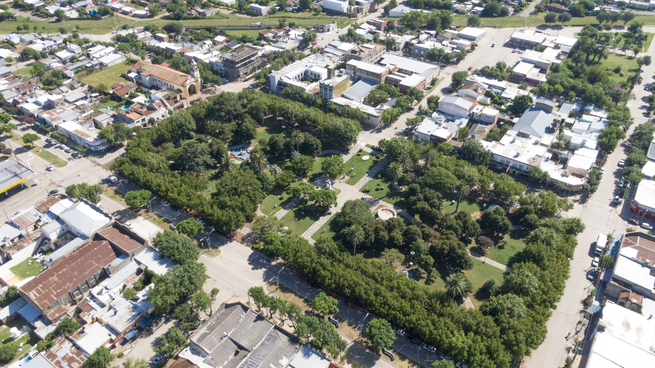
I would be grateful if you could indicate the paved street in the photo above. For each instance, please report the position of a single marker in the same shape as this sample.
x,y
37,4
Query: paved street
x,y
600,218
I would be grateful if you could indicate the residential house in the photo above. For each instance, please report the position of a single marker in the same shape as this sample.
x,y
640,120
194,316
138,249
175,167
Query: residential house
x,y
456,106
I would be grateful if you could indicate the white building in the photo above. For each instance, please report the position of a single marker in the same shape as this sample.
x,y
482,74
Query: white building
x,y
582,161
335,5
472,34
517,152
455,105
294,74
373,115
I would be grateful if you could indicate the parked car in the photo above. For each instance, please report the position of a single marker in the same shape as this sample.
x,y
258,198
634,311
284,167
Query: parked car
x,y
591,276
68,150
158,359
172,227
398,331
54,191
616,200
443,356
461,365
621,163
125,181
128,224
48,140
62,146
50,168
646,226
165,204
201,222
594,262
429,348
493,45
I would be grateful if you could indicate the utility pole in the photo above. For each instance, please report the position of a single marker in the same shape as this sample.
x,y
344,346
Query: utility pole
x,y
278,277
458,191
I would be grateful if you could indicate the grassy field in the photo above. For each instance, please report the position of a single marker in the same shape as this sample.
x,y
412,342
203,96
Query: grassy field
x,y
52,158
480,273
359,168
628,64
237,34
515,244
538,20
385,192
268,204
107,76
22,71
28,340
299,219
326,231
469,206
24,269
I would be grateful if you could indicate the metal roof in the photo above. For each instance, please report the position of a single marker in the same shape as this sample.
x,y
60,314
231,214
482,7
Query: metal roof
x,y
537,122
13,173
359,90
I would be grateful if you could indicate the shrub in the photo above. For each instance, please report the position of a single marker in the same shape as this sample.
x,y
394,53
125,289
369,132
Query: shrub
x,y
485,242
120,355
7,352
256,246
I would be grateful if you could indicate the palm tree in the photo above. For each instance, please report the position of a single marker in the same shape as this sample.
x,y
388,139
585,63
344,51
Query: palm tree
x,y
354,234
275,170
430,154
257,160
635,79
458,285
396,171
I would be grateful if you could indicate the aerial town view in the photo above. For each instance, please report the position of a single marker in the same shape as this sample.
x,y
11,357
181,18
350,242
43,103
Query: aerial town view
x,y
327,184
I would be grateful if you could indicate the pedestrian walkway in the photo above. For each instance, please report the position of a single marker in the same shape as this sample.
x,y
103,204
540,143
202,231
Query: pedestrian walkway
x,y
488,261
371,174
287,207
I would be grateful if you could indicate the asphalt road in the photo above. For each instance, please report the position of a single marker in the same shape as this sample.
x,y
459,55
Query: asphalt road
x,y
599,217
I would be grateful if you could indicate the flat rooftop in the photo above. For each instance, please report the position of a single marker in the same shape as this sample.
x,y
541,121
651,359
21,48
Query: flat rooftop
x,y
13,173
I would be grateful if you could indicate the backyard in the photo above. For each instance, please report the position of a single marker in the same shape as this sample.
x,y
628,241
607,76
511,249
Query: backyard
x,y
107,76
28,340
28,268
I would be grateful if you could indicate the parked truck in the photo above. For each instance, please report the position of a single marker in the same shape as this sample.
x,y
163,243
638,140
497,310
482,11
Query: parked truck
x,y
601,242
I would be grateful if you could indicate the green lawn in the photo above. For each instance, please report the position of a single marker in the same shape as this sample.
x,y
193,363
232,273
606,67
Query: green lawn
x,y
480,273
268,204
326,231
107,76
110,104
628,64
23,71
238,34
439,281
538,20
52,158
356,168
28,340
646,44
385,191
469,206
515,244
24,270
298,222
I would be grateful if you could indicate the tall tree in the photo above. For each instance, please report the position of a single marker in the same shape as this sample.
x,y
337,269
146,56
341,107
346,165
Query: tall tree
x,y
324,304
380,334
458,285
101,358
354,235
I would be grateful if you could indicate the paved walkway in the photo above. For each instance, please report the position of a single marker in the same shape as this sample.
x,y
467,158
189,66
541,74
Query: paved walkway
x,y
287,207
371,174
488,261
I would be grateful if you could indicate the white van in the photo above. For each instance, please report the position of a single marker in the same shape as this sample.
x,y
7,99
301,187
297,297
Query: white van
x,y
601,242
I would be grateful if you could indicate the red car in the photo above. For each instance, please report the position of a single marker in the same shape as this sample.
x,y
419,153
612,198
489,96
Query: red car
x,y
470,68
633,221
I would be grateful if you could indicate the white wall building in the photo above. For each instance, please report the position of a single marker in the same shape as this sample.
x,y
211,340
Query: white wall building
x,y
335,5
455,105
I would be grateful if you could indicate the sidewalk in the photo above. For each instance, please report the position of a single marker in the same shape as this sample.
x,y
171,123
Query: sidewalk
x,y
487,260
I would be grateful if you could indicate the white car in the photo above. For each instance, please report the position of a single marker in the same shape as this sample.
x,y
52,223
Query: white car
x,y
646,226
50,168
128,224
429,348
594,262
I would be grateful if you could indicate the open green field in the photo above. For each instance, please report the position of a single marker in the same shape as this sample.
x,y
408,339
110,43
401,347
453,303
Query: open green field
x,y
356,168
480,273
277,197
24,269
469,206
628,66
515,244
22,71
299,219
52,158
107,76
252,33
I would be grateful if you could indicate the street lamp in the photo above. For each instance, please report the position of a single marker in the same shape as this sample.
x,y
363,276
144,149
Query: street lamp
x,y
278,277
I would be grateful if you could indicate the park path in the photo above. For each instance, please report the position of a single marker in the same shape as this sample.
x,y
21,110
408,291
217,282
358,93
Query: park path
x,y
287,207
488,261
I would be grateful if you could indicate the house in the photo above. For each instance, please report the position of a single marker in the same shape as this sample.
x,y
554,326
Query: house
x,y
526,72
163,77
84,219
358,91
28,219
337,7
455,105
538,123
557,8
633,268
409,66
475,91
399,11
238,336
139,114
485,114
582,161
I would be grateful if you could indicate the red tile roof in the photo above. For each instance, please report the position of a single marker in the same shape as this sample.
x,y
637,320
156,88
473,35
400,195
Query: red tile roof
x,y
64,354
53,283
44,206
